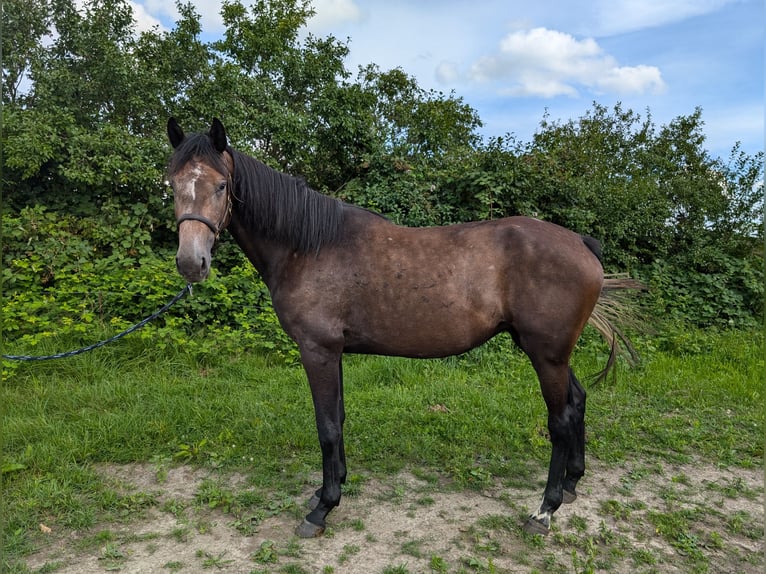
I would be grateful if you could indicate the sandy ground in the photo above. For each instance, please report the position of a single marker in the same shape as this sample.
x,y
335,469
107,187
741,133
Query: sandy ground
x,y
403,525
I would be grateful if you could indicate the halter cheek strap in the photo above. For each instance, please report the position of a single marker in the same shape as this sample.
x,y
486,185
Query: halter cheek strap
x,y
216,228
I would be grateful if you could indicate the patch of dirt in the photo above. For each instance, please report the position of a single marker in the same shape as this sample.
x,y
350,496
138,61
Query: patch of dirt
x,y
636,517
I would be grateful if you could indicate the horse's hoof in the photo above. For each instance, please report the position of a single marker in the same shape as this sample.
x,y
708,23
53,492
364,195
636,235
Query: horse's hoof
x,y
313,502
569,497
308,529
535,526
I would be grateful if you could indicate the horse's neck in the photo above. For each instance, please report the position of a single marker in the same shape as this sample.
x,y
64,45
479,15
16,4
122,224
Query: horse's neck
x,y
266,256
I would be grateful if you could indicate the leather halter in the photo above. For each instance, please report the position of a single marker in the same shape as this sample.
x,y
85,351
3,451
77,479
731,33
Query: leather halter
x,y
216,228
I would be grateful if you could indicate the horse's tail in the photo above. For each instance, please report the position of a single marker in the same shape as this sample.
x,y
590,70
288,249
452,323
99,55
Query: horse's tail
x,y
613,309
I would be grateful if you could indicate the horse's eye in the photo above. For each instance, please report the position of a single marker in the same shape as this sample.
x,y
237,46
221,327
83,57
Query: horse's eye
x,y
221,187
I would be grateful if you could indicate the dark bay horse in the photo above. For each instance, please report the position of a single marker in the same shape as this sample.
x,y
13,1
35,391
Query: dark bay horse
x,y
345,280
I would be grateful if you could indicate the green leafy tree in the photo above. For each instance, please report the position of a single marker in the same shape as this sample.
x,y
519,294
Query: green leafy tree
x,y
88,219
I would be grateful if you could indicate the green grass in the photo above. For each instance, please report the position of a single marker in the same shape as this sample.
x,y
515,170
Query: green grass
x,y
478,416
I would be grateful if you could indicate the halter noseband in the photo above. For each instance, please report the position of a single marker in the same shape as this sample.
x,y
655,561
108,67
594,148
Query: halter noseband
x,y
216,228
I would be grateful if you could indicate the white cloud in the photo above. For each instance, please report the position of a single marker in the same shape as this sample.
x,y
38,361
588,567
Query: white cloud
x,y
332,13
632,80
209,11
447,72
618,16
548,63
329,13
144,20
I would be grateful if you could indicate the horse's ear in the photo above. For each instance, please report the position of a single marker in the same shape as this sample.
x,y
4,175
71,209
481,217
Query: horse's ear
x,y
218,135
175,133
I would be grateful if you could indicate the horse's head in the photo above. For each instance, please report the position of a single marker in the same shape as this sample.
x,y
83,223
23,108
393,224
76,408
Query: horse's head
x,y
200,172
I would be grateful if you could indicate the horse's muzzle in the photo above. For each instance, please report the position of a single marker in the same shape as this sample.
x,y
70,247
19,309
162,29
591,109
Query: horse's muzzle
x,y
193,259
193,269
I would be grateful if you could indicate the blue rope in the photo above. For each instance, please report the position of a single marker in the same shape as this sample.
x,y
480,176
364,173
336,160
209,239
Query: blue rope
x,y
136,327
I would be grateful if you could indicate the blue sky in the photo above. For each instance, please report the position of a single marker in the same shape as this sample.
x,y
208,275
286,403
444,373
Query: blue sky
x,y
512,61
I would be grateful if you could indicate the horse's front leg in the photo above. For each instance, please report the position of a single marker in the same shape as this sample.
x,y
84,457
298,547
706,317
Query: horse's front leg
x,y
316,497
324,375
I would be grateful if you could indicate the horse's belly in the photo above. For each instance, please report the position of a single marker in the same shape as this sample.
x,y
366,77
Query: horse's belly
x,y
426,332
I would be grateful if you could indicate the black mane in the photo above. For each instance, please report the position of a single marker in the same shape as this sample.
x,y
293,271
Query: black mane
x,y
274,205
283,208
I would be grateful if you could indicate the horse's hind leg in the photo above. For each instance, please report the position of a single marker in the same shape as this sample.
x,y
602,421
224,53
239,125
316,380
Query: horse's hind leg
x,y
563,426
576,460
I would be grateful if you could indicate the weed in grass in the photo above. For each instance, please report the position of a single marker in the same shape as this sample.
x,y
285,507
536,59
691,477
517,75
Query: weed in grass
x,y
587,562
536,541
181,534
674,527
328,570
552,564
688,544
478,565
474,477
211,561
681,479
161,464
293,569
349,550
213,495
355,524
488,546
605,534
145,537
715,541
112,556
616,509
266,553
425,501
292,549
643,557
413,548
175,507
432,478
249,498
97,540
353,485
398,569
133,505
438,564
203,526
247,524
741,522
733,488
578,523
152,548
174,566
498,522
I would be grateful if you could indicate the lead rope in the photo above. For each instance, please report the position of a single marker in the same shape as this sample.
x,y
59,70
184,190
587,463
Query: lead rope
x,y
128,331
